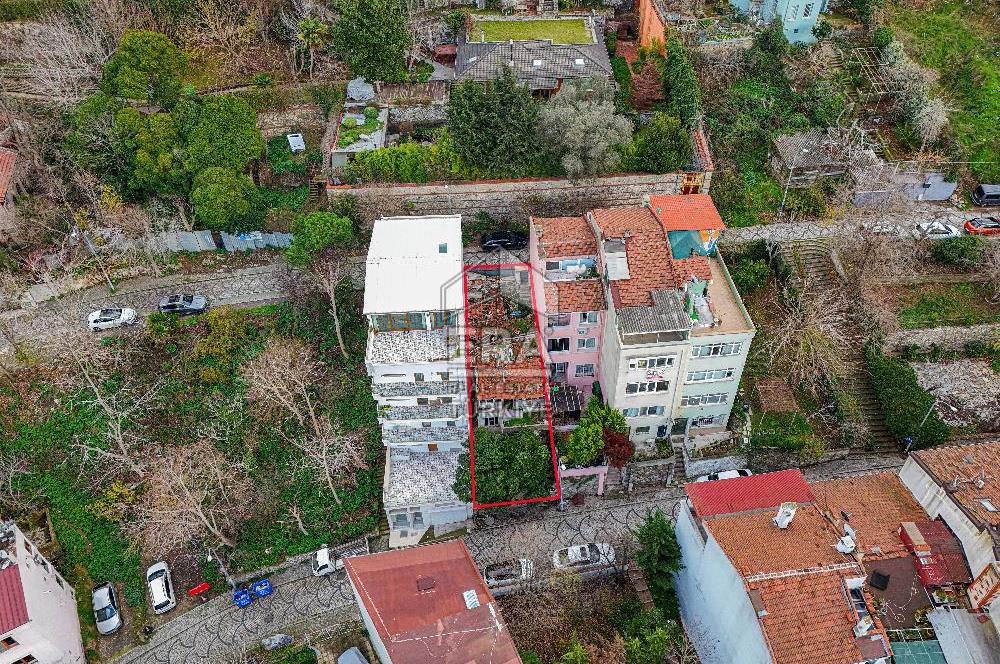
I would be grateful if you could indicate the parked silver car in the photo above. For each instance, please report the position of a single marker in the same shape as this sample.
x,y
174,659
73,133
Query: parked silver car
x,y
107,611
584,556
509,573
105,319
161,588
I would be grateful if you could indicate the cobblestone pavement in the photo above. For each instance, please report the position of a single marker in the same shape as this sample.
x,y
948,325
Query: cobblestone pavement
x,y
303,603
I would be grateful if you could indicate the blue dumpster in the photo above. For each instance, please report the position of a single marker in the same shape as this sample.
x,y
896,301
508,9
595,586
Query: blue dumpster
x,y
243,598
262,588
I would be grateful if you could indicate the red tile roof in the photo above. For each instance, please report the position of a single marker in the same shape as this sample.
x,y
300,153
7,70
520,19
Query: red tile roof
x,y
434,625
13,610
746,494
877,504
574,296
560,237
650,265
944,563
965,463
687,212
810,619
7,159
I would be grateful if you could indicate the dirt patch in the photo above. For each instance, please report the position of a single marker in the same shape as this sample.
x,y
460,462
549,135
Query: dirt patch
x,y
967,391
775,395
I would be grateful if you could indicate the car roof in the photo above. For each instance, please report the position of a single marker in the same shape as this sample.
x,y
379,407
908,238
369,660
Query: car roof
x,y
102,593
158,589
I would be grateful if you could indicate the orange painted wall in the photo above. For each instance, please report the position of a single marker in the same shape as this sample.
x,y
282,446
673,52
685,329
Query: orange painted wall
x,y
651,28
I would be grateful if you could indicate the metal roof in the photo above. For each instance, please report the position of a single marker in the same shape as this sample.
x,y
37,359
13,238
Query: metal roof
x,y
667,314
747,494
539,64
13,609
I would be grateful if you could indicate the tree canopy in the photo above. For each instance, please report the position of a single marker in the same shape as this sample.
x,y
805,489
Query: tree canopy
x,y
153,144
147,66
681,84
493,126
659,556
225,199
662,146
224,135
510,465
373,38
315,231
588,440
580,128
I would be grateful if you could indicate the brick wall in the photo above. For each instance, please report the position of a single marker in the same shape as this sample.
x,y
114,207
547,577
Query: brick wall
x,y
513,199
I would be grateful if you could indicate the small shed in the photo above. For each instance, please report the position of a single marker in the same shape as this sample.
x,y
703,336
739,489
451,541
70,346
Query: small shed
x,y
802,158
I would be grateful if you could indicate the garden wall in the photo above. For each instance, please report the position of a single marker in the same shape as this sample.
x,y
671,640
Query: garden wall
x,y
946,338
514,199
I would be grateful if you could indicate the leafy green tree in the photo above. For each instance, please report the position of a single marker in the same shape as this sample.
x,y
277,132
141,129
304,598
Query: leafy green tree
x,y
662,146
588,439
962,251
576,654
580,128
373,38
314,35
659,556
93,141
509,465
314,232
494,125
225,199
185,113
154,153
681,84
147,66
224,135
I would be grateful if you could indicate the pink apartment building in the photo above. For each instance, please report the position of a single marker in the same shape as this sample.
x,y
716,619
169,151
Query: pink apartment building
x,y
569,299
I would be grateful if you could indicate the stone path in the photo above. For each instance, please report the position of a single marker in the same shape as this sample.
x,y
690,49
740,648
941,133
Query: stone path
x,y
302,603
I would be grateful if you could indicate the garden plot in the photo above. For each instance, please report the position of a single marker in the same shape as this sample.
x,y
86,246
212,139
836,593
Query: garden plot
x,y
967,391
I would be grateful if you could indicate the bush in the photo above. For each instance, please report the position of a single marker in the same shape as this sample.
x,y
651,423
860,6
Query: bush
x,y
509,466
662,146
226,200
904,402
963,251
883,36
750,276
281,159
659,556
587,441
784,431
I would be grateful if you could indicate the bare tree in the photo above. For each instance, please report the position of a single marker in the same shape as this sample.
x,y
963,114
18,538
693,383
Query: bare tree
x,y
192,493
989,267
332,455
282,376
328,274
11,467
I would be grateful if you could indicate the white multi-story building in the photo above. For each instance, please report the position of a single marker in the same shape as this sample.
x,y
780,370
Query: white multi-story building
x,y
38,617
414,303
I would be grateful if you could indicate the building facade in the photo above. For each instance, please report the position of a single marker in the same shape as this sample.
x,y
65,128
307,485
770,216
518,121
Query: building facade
x,y
797,17
38,617
415,358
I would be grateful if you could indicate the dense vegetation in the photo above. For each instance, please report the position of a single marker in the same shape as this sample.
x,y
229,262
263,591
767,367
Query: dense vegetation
x,y
908,408
510,465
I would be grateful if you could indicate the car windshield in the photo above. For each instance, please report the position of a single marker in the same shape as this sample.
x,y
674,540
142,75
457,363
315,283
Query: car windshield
x,y
188,299
502,572
155,575
110,313
593,553
162,605
105,613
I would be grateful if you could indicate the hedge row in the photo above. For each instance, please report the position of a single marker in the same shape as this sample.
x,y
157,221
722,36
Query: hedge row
x,y
904,402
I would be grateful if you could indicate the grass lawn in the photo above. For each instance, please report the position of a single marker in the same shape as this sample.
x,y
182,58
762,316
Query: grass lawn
x,y
958,40
560,31
940,305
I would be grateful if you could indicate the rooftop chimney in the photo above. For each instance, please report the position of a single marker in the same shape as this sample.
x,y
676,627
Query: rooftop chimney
x,y
785,515
425,583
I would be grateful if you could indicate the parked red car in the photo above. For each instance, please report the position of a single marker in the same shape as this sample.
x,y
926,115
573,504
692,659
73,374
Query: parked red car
x,y
983,226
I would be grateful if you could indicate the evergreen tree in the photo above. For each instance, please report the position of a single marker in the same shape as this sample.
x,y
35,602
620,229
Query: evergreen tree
x,y
147,66
225,135
373,38
681,84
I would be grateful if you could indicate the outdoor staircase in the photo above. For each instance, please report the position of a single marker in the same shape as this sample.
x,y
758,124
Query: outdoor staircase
x,y
613,482
811,259
317,187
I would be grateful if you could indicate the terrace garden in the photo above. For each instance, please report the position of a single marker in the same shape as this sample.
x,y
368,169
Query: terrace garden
x,y
559,31
940,305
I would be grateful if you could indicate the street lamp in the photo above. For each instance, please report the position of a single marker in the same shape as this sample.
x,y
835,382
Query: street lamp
x,y
788,182
931,391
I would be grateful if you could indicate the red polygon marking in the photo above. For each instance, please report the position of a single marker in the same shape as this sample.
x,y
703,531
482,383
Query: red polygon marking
x,y
545,390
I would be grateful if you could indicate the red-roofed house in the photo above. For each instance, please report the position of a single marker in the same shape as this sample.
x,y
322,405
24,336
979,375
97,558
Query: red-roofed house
x,y
670,340
429,605
38,617
749,494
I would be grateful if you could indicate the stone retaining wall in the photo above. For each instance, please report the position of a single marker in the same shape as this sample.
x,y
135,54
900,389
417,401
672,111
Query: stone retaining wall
x,y
513,199
946,338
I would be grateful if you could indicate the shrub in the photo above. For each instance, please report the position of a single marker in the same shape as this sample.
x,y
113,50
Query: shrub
x,y
662,146
314,232
587,441
263,80
226,200
883,36
963,251
509,466
147,66
822,29
281,159
659,556
750,276
904,403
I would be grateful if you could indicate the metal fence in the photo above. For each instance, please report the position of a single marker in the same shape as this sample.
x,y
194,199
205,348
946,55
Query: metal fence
x,y
197,241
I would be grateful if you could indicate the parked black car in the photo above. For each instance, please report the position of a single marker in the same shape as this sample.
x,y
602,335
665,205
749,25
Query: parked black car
x,y
986,195
183,304
504,240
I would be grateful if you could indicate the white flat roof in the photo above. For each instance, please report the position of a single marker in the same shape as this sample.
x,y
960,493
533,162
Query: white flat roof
x,y
414,264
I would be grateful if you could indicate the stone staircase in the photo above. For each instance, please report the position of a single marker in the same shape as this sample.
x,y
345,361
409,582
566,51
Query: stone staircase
x,y
613,482
811,259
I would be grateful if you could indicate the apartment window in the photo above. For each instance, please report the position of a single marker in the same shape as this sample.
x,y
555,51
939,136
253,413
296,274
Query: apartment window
x,y
858,601
432,447
444,375
451,423
641,430
422,401
558,320
492,421
703,421
586,343
27,659
807,12
644,411
584,370
717,350
650,362
560,344
441,319
551,265
713,374
443,248
588,318
7,643
418,377
648,386
704,399
794,12
426,425
559,369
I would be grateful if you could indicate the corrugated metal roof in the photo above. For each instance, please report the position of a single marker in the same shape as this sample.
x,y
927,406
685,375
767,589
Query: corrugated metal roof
x,y
666,315
745,494
13,610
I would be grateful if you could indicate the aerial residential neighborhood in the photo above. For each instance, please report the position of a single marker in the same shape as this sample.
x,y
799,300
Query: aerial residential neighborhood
x,y
499,332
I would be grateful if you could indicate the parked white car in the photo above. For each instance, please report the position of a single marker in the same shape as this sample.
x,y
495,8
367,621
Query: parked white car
x,y
584,555
161,588
725,475
509,573
936,230
107,611
105,319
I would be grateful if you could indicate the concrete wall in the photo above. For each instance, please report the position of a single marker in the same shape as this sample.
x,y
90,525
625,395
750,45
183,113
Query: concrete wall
x,y
511,199
651,26
714,602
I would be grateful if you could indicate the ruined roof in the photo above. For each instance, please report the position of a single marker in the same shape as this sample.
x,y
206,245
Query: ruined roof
x,y
429,604
876,504
560,237
573,296
967,463
808,149
747,494
539,64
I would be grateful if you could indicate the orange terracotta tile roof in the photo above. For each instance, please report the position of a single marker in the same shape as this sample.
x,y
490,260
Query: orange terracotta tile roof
x,y
7,159
756,546
810,619
564,236
965,463
877,505
574,296
686,212
650,265
685,268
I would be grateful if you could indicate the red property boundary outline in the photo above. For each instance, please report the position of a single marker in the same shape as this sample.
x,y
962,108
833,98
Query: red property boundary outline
x,y
545,388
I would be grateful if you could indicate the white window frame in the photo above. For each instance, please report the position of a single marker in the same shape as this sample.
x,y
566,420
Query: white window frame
x,y
717,350
560,368
646,387
655,362
585,371
549,344
558,320
588,318
644,411
714,399
586,343
710,375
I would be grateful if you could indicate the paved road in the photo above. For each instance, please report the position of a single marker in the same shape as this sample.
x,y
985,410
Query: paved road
x,y
302,603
